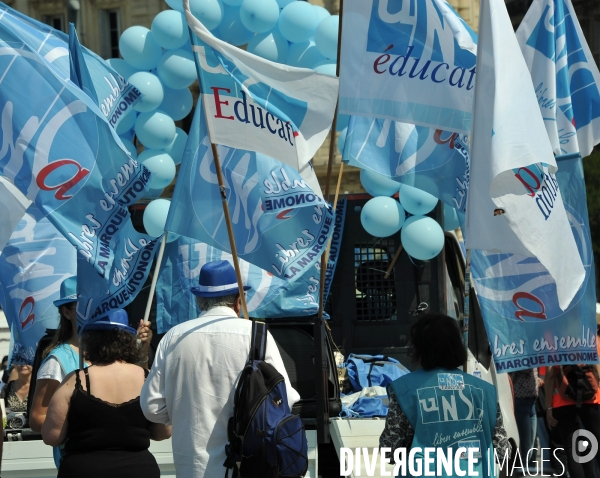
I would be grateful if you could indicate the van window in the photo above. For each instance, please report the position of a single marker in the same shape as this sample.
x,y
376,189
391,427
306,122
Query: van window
x,y
375,294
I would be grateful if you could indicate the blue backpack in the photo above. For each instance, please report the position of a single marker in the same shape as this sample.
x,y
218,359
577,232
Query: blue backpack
x,y
265,439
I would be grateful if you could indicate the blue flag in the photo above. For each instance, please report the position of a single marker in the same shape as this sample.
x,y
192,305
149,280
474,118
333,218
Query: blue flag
x,y
410,61
565,76
115,96
60,151
33,264
269,297
279,223
518,298
432,160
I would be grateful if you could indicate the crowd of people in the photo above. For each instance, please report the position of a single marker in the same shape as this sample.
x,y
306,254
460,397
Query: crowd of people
x,y
97,404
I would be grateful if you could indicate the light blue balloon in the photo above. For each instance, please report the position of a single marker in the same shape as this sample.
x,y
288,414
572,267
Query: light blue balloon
x,y
342,122
321,12
170,29
177,103
176,69
326,36
139,49
284,3
304,55
156,130
259,16
127,122
177,146
130,147
121,67
155,216
298,21
233,3
161,165
416,201
175,5
327,68
209,12
377,184
232,30
271,46
341,142
382,216
422,237
451,221
151,89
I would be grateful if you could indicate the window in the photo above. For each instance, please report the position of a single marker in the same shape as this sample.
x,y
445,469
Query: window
x,y
55,21
375,294
109,31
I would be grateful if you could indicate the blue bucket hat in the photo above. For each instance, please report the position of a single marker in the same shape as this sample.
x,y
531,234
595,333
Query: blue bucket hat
x,y
217,279
68,291
114,320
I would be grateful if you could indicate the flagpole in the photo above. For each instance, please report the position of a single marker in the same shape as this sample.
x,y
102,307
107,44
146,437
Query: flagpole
x,y
217,161
467,307
161,251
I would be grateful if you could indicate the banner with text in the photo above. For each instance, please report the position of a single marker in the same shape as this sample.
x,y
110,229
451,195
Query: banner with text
x,y
408,61
279,223
524,322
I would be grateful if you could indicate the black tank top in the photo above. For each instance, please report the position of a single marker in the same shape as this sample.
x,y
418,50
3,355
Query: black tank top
x,y
105,439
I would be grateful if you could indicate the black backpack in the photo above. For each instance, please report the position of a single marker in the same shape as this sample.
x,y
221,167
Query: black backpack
x,y
579,382
265,439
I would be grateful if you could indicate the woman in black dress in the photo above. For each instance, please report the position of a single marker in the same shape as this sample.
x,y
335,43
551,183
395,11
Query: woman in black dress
x,y
96,412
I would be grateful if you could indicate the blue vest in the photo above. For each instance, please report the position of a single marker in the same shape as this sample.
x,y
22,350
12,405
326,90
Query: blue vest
x,y
449,409
69,361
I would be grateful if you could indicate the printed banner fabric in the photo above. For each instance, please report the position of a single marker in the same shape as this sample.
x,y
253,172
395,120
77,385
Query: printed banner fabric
x,y
412,62
565,75
518,297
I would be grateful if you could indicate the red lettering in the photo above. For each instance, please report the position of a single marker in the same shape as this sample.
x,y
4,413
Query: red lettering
x,y
526,184
379,62
437,137
524,312
30,317
218,102
61,188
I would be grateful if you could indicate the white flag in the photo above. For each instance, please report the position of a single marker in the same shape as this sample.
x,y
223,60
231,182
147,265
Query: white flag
x,y
565,76
258,105
514,202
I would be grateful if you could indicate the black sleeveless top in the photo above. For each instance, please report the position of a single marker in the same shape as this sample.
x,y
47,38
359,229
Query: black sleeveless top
x,y
106,439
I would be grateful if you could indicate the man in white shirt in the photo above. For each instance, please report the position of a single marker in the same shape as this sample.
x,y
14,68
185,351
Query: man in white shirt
x,y
196,369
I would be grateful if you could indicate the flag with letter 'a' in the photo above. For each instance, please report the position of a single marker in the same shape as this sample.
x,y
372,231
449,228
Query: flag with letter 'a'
x,y
514,203
408,61
33,264
258,105
59,150
565,76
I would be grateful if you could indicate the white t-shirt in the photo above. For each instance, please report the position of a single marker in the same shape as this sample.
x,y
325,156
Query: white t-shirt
x,y
192,384
51,370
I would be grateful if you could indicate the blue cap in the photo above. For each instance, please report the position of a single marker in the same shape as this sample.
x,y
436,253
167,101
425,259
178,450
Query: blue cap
x,y
68,291
217,279
115,319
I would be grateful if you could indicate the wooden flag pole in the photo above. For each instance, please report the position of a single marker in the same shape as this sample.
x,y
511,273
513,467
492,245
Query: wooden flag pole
x,y
234,255
161,251
393,263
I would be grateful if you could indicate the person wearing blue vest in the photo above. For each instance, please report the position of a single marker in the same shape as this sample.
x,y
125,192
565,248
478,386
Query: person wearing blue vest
x,y
443,408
